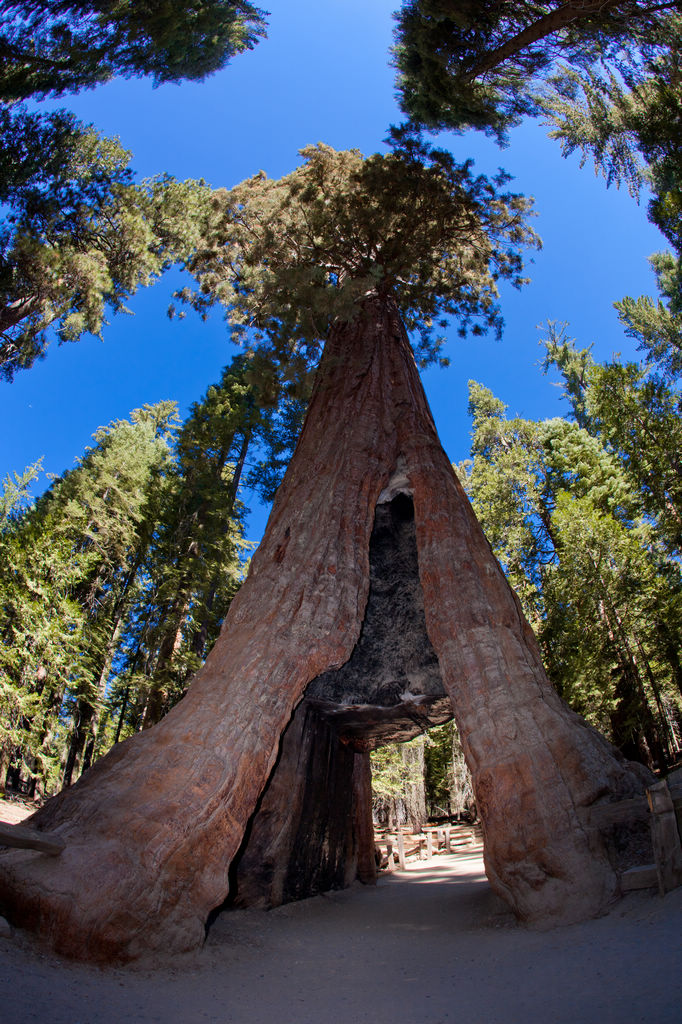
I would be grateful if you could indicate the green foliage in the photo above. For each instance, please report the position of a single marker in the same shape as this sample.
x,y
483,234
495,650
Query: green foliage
x,y
49,48
391,772
195,563
584,517
289,257
605,76
80,236
467,63
67,565
634,409
449,788
631,131
15,493
114,583
432,765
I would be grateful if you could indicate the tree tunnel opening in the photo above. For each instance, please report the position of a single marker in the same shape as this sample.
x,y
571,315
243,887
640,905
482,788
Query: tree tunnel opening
x,y
425,780
312,829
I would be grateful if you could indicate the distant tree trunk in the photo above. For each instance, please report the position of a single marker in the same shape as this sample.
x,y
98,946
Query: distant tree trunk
x,y
188,588
634,728
171,643
201,634
461,791
155,824
414,797
89,709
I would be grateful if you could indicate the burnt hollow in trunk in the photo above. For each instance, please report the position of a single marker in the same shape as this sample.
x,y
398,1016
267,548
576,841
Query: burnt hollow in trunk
x,y
312,828
391,688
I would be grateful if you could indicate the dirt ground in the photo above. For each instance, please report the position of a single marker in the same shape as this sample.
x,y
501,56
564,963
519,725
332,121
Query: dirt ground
x,y
430,944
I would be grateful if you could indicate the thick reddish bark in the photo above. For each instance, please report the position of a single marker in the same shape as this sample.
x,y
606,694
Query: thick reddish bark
x,y
152,828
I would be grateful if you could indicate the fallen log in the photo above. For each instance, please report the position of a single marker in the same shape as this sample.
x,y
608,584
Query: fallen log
x,y
29,839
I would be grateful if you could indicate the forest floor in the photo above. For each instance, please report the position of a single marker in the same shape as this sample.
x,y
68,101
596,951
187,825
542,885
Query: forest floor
x,y
428,944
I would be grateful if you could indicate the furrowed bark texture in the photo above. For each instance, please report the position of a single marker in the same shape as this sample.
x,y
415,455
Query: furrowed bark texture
x,y
151,829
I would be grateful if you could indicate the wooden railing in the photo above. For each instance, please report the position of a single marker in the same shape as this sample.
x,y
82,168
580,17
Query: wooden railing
x,y
661,807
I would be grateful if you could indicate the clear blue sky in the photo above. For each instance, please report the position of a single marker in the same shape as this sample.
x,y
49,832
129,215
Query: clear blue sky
x,y
323,74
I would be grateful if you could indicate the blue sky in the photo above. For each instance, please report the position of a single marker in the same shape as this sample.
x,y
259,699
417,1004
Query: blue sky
x,y
323,74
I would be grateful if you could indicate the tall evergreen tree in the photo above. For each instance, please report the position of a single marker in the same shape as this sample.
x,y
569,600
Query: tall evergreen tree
x,y
605,76
79,236
68,572
631,131
48,48
447,778
463,63
194,567
635,411
565,519
241,432
398,791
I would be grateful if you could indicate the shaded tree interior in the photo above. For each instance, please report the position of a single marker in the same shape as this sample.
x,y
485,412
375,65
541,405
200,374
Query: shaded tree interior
x,y
312,828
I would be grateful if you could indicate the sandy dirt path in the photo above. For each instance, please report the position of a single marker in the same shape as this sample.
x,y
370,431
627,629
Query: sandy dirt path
x,y
431,944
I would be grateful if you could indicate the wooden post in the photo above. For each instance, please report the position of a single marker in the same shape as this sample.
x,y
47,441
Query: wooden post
x,y
401,849
665,837
446,839
389,854
429,845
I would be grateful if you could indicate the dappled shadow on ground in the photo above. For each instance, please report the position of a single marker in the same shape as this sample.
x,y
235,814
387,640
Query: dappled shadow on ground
x,y
450,869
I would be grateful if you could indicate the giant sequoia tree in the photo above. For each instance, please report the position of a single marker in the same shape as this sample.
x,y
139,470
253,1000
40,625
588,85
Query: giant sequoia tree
x,y
346,252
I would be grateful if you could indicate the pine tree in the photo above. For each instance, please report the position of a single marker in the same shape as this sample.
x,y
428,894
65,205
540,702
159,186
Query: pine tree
x,y
630,130
449,790
68,577
463,63
604,76
398,793
195,565
565,519
243,429
49,48
79,236
635,411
